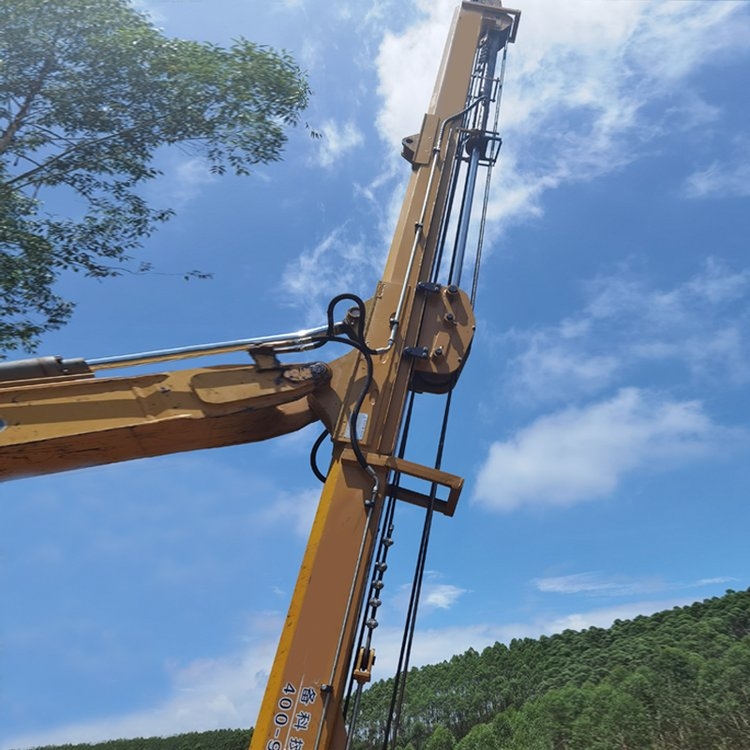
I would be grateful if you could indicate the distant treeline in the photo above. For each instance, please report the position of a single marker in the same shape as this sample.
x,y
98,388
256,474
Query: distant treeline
x,y
677,680
219,739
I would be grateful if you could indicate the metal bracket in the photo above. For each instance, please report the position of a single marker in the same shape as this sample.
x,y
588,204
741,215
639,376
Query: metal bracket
x,y
418,352
428,286
363,667
264,357
453,483
417,148
444,341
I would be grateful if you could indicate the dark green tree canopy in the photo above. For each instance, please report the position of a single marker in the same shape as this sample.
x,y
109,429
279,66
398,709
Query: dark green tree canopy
x,y
678,679
89,92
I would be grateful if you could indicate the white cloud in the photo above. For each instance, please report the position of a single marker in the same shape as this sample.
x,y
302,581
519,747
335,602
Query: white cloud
x,y
336,142
442,595
719,179
580,85
578,103
581,454
294,510
548,367
338,263
717,284
433,645
596,584
154,15
417,50
183,181
701,324
310,54
435,595
605,617
713,581
209,693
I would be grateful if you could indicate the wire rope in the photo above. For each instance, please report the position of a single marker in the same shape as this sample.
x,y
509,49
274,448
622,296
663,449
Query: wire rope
x,y
473,137
478,123
399,686
487,184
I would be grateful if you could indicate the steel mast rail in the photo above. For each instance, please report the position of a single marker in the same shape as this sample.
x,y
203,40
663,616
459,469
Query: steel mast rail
x,y
303,702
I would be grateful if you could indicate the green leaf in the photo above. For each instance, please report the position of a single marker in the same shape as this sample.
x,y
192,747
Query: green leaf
x,y
91,91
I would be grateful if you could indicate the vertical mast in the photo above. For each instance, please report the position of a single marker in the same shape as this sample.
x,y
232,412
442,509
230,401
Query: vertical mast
x,y
407,315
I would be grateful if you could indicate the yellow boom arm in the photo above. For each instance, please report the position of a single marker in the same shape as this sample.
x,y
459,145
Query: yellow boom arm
x,y
87,421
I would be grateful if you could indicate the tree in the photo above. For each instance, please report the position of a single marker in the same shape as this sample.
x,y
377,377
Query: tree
x,y
481,737
441,739
89,93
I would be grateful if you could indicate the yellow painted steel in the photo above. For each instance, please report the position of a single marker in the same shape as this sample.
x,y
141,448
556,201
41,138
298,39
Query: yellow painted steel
x,y
317,641
303,698
56,426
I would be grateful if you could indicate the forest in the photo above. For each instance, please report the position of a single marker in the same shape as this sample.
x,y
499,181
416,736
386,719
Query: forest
x,y
675,680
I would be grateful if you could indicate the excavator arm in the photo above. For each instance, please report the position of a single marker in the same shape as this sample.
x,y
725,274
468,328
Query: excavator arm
x,y
80,421
413,336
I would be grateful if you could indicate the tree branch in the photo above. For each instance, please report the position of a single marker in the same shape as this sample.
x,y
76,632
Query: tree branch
x,y
7,137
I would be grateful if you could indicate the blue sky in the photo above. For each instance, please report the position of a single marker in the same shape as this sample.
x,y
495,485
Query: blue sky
x,y
602,423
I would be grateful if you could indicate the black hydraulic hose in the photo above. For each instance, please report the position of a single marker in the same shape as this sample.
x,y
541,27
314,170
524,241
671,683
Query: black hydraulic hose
x,y
314,456
356,339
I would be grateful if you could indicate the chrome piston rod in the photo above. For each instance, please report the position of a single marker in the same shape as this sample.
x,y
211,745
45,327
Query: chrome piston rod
x,y
297,341
55,367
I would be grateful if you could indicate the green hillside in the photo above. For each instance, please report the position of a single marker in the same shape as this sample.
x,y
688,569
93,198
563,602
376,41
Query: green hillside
x,y
677,680
219,739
